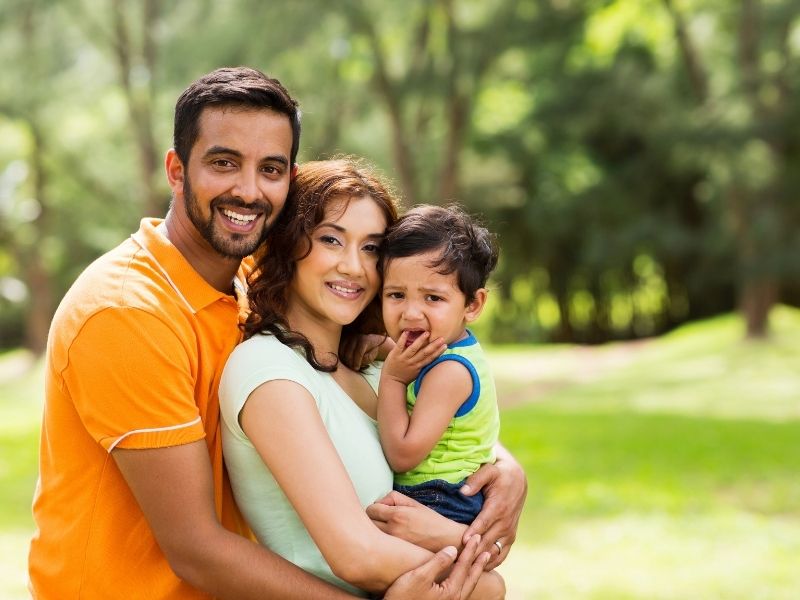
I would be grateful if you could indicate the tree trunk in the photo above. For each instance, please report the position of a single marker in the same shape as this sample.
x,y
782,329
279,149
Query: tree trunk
x,y
42,303
756,301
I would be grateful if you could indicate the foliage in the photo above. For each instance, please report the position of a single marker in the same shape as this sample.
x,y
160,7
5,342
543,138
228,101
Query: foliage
x,y
637,157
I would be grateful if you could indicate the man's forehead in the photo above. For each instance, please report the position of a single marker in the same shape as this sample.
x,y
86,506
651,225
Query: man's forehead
x,y
256,125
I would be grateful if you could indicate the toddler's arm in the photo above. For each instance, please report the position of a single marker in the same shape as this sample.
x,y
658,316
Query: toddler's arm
x,y
408,439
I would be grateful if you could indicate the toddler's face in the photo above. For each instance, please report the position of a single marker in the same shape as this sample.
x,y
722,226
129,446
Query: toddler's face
x,y
418,299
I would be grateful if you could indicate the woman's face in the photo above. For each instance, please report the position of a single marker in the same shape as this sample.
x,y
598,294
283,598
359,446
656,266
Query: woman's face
x,y
339,277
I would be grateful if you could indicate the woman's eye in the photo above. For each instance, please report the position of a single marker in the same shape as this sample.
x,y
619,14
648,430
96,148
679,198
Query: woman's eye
x,y
328,239
372,248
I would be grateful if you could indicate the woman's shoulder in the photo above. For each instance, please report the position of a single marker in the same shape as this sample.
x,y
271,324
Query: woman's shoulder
x,y
264,356
263,346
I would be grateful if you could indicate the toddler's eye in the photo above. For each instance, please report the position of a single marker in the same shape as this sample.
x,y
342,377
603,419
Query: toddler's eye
x,y
432,298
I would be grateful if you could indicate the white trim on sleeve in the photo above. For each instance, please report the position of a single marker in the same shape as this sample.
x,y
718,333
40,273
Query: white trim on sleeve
x,y
151,430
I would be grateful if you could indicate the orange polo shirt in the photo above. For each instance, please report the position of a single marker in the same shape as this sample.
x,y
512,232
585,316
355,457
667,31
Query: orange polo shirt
x,y
134,357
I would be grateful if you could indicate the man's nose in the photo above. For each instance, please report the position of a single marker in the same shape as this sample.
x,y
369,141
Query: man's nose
x,y
247,187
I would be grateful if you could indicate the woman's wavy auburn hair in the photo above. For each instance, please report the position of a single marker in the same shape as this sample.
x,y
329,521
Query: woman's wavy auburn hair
x,y
316,186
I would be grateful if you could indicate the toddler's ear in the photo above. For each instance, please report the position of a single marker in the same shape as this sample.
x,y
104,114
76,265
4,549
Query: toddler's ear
x,y
475,307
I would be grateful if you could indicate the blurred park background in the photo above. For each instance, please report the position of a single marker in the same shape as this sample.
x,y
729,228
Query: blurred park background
x,y
639,160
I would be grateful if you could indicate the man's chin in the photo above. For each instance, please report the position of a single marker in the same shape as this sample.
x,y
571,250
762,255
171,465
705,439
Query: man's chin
x,y
234,246
234,251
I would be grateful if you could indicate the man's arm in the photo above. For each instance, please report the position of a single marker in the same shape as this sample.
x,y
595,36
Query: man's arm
x,y
504,489
174,489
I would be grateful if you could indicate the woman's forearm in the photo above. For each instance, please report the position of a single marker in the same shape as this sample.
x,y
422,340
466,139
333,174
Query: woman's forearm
x,y
371,560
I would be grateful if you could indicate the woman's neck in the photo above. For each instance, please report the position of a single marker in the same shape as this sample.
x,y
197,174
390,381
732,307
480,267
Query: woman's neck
x,y
324,336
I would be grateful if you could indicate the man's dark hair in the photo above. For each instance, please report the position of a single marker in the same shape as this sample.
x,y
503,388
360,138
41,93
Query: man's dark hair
x,y
235,87
464,246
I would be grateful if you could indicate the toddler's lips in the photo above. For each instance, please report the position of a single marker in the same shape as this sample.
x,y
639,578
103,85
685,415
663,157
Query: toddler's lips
x,y
412,335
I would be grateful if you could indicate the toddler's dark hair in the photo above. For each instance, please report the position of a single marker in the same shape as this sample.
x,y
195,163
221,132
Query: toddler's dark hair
x,y
465,247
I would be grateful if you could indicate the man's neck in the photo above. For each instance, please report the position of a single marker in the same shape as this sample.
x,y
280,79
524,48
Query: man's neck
x,y
217,270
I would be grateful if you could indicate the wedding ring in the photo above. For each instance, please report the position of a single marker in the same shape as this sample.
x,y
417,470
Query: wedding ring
x,y
499,545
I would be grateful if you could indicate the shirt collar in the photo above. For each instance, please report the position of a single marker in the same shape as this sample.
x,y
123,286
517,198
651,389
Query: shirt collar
x,y
188,284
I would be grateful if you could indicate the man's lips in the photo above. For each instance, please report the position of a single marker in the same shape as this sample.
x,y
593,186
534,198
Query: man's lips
x,y
241,221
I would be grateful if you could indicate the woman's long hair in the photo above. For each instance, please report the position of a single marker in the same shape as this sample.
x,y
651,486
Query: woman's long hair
x,y
315,186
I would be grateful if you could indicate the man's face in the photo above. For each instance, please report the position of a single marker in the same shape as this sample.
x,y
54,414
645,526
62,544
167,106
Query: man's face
x,y
238,177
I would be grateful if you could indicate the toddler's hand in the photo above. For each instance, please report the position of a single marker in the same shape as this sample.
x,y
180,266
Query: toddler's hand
x,y
403,363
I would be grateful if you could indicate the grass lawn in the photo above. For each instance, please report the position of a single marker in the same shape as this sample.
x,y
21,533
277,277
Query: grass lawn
x,y
665,469
668,469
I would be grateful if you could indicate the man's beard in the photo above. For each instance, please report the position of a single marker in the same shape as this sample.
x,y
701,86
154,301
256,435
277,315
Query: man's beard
x,y
226,244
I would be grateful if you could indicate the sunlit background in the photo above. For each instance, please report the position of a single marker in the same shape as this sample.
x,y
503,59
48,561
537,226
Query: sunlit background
x,y
640,163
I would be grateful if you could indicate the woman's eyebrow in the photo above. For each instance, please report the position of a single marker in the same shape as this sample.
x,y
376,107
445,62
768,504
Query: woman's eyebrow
x,y
337,227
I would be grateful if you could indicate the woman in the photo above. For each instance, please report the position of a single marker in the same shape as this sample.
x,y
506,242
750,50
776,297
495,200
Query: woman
x,y
299,429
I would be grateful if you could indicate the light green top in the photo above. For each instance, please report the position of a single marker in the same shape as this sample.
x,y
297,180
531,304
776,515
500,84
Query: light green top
x,y
354,434
468,442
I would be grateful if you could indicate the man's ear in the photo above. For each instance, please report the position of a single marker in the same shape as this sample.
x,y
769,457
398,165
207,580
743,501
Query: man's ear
x,y
176,172
293,172
475,307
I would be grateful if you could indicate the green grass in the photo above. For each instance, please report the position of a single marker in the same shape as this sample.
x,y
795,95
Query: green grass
x,y
666,469
21,397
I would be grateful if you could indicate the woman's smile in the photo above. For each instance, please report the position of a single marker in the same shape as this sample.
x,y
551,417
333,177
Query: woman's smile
x,y
345,289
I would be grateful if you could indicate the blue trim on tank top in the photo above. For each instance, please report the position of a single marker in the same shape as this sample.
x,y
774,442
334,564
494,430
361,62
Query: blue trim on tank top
x,y
472,400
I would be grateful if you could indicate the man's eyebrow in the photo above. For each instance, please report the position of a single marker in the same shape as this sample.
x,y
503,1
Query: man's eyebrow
x,y
380,235
215,150
221,150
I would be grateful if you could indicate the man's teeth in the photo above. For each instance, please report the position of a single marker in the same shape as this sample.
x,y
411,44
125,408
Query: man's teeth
x,y
339,288
237,218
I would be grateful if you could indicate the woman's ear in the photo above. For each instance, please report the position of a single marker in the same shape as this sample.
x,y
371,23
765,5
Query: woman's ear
x,y
475,306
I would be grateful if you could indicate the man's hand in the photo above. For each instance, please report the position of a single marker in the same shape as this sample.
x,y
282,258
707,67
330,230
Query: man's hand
x,y
403,364
421,583
504,490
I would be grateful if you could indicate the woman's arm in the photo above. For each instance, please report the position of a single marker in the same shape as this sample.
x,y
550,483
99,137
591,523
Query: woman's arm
x,y
404,517
311,474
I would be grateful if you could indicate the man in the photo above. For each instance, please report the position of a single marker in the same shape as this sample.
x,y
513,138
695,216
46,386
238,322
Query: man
x,y
132,500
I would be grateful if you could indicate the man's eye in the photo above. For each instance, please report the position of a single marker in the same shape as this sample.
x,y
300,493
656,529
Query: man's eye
x,y
222,162
271,170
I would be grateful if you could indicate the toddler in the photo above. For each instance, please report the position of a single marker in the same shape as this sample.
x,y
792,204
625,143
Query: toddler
x,y
437,405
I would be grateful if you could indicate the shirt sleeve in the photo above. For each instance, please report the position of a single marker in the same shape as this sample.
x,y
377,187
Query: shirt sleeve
x,y
255,361
131,378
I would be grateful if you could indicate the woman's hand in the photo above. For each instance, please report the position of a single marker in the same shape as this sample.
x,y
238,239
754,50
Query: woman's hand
x,y
422,582
403,517
504,489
